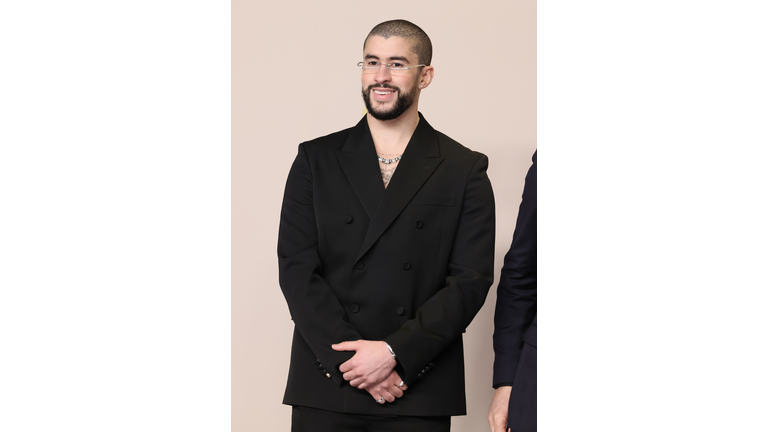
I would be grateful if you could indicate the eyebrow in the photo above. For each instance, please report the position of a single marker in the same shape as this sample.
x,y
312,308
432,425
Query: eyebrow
x,y
400,58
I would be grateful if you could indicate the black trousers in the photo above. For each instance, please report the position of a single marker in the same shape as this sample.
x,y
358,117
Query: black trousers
x,y
305,419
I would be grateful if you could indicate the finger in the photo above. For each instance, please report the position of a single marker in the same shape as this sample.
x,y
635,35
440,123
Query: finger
x,y
398,382
388,396
346,366
351,375
375,391
392,388
360,383
396,392
345,346
382,398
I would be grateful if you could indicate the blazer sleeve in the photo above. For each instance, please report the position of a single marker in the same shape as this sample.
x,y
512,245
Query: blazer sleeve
x,y
315,309
443,318
515,312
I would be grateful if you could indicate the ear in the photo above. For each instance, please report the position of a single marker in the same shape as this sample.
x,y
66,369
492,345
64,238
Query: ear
x,y
426,76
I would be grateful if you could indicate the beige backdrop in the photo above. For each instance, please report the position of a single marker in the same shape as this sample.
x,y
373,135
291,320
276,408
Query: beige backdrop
x,y
293,79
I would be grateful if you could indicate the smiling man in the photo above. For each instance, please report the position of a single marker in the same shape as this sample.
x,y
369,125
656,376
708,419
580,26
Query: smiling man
x,y
386,254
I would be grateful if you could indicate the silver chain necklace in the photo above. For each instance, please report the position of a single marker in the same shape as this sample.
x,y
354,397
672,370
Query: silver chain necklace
x,y
389,161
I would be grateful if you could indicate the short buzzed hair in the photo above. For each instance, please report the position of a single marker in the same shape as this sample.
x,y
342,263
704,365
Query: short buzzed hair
x,y
422,46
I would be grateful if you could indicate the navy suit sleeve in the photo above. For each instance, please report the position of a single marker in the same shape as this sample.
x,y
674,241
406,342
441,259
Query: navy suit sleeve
x,y
516,294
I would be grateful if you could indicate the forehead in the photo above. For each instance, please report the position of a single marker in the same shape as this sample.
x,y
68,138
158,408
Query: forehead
x,y
393,47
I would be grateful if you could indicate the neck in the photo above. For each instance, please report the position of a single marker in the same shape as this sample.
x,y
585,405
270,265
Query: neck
x,y
392,136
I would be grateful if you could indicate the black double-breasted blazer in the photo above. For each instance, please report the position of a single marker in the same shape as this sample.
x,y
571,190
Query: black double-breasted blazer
x,y
410,264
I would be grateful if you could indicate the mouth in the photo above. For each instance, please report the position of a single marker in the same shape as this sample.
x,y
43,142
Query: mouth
x,y
383,94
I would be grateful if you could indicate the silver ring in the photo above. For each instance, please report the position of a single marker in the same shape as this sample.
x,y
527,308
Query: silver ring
x,y
401,384
381,400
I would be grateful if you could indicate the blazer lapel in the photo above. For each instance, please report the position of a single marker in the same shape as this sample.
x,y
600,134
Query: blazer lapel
x,y
358,161
420,159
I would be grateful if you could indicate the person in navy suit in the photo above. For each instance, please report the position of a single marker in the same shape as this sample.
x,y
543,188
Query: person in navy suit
x,y
514,337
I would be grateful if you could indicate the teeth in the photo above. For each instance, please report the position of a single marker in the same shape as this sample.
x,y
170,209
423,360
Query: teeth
x,y
382,92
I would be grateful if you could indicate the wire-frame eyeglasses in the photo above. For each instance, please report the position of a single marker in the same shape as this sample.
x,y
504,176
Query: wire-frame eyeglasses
x,y
371,66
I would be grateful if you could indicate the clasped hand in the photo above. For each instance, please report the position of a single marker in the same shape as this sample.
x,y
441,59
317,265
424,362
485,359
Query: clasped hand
x,y
371,369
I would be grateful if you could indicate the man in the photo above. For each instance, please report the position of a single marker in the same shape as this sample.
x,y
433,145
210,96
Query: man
x,y
513,405
386,254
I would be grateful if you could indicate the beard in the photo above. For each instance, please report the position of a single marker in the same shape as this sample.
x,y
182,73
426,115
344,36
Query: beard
x,y
402,103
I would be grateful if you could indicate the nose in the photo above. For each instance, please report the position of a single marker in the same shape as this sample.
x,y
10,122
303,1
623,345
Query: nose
x,y
382,75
